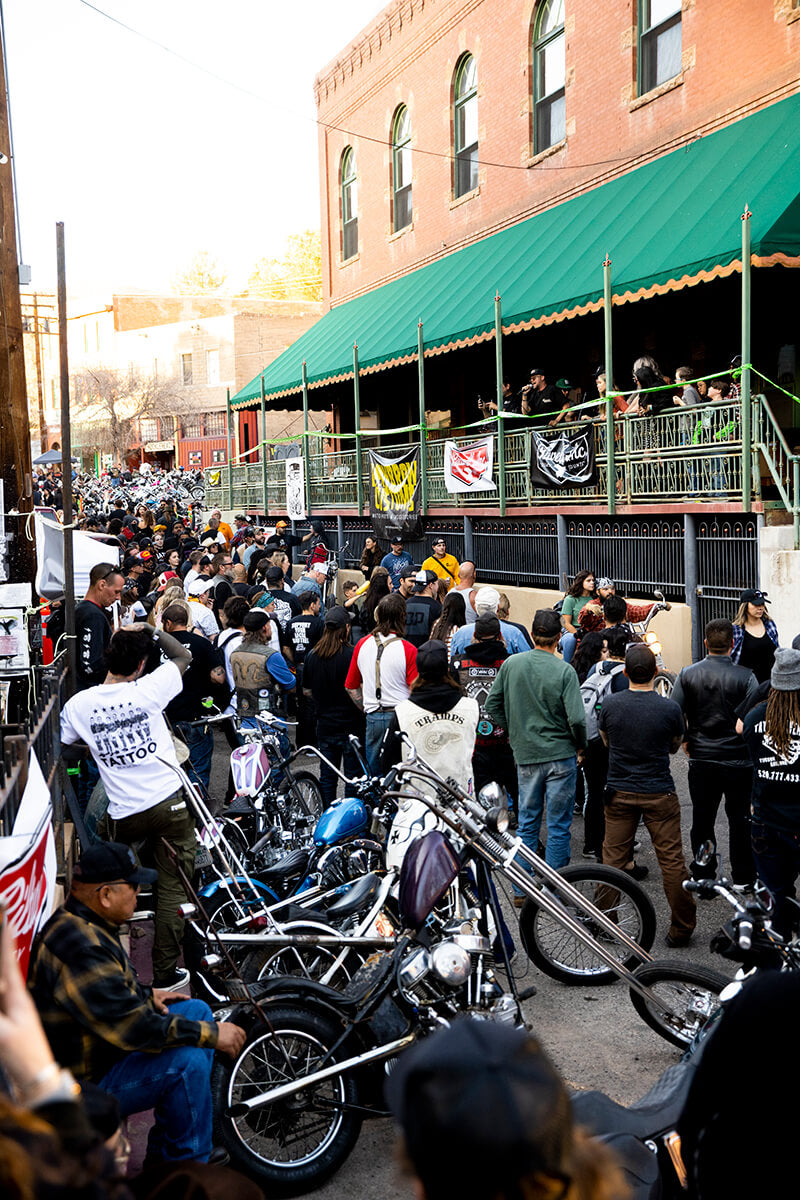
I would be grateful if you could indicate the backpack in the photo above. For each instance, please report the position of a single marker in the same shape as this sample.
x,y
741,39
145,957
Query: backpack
x,y
593,692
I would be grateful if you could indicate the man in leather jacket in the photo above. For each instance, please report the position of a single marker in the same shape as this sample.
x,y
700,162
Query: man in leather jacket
x,y
709,693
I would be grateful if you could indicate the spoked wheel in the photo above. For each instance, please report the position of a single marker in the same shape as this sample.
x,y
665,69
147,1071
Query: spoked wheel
x,y
293,1145
663,683
223,913
561,954
305,796
690,995
308,962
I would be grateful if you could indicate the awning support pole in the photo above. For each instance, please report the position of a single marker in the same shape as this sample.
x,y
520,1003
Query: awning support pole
x,y
264,449
229,423
357,405
611,466
306,456
423,432
501,433
747,439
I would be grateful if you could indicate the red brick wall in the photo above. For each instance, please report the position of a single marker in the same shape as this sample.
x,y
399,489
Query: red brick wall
x,y
737,56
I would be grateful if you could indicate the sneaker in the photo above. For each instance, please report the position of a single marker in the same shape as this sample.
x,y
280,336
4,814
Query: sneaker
x,y
744,889
174,981
637,871
592,852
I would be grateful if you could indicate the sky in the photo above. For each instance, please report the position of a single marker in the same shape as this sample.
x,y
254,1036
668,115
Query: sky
x,y
147,159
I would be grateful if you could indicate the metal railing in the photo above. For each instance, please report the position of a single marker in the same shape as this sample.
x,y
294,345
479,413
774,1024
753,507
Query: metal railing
x,y
679,454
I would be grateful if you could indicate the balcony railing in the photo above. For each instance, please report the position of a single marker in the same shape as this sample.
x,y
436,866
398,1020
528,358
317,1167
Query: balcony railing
x,y
680,454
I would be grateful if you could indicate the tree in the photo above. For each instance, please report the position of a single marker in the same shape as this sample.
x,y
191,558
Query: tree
x,y
203,274
107,406
297,275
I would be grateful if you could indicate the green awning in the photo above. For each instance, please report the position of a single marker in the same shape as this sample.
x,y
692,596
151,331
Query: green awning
x,y
669,224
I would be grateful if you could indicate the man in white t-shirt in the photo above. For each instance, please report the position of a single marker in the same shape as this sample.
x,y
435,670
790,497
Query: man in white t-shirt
x,y
122,722
382,669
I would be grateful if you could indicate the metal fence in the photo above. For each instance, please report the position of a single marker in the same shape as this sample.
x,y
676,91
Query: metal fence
x,y
727,562
634,552
517,552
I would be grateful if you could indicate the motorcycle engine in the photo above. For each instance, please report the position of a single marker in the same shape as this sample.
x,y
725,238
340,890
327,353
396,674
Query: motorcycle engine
x,y
426,974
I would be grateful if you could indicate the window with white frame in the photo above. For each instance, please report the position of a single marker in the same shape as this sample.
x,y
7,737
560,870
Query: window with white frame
x,y
186,369
349,204
401,169
659,43
465,126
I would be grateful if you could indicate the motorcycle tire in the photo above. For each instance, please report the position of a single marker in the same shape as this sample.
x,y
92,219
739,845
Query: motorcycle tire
x,y
560,954
222,913
307,962
685,987
309,801
294,1145
663,683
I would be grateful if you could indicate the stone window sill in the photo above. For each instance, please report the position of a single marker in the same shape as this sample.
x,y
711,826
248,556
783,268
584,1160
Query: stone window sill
x,y
465,198
535,159
347,262
662,90
398,233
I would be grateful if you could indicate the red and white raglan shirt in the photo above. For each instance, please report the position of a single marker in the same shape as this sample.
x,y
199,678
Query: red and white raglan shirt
x,y
398,670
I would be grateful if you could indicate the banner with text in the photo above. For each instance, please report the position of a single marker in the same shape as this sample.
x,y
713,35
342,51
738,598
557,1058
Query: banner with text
x,y
295,489
563,459
28,864
394,494
469,468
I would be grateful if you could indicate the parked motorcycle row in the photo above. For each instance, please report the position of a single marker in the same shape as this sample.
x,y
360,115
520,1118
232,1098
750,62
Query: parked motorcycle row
x,y
186,489
338,938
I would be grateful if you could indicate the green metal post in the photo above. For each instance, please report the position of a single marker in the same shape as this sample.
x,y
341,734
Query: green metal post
x,y
357,405
306,457
423,432
230,445
264,449
501,433
796,500
611,465
747,436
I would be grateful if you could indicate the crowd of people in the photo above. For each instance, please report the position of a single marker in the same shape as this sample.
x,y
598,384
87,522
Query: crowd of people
x,y
564,715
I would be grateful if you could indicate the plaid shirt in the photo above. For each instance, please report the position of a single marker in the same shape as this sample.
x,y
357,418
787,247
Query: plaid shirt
x,y
93,1007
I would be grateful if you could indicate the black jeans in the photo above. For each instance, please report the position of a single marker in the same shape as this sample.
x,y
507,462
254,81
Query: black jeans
x,y
595,770
777,855
333,747
496,764
709,782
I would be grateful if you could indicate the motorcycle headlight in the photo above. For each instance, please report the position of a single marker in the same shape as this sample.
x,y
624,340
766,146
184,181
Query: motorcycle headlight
x,y
497,819
651,637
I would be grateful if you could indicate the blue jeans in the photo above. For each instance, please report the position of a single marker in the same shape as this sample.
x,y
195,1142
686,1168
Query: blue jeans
x,y
177,1084
377,724
200,741
567,646
333,748
548,788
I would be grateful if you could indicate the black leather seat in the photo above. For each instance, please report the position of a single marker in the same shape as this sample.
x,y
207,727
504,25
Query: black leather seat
x,y
359,895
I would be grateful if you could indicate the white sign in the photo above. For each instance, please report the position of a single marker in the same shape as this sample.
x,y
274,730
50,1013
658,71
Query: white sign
x,y
295,489
469,468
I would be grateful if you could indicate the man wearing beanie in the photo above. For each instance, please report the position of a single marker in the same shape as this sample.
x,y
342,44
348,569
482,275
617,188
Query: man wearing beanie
x,y
772,734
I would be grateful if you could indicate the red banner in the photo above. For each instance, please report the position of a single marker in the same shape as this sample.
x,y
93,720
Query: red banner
x,y
24,894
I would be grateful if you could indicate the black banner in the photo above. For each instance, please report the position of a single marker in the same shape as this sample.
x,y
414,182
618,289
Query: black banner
x,y
394,495
563,458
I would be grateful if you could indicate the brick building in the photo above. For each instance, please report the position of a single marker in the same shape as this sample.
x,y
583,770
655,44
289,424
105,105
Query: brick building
x,y
447,125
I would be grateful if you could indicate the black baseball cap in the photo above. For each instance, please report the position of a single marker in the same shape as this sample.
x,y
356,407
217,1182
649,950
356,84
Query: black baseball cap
x,y
107,862
487,625
273,574
395,540
546,623
336,617
753,596
491,1097
538,371
432,658
409,571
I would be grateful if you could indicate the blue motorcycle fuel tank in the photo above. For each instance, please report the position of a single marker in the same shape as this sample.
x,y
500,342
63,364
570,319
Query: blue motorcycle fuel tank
x,y
342,819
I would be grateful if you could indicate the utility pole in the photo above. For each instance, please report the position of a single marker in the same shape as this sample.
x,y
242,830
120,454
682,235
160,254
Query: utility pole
x,y
15,441
37,341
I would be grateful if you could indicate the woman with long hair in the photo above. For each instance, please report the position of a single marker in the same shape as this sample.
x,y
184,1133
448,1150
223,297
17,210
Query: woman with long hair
x,y
581,593
380,585
324,672
454,615
755,635
370,556
772,733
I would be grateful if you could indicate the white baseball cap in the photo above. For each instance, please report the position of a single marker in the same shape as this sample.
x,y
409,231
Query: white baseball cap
x,y
487,599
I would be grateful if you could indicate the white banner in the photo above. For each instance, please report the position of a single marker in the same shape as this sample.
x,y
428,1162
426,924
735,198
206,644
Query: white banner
x,y
469,468
295,489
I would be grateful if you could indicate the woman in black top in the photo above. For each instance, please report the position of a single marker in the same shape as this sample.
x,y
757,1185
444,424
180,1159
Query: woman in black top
x,y
324,672
370,557
380,585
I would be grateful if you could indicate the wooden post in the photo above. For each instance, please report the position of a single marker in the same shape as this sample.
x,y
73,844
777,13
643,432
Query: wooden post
x,y
747,438
357,407
501,433
423,432
15,439
611,466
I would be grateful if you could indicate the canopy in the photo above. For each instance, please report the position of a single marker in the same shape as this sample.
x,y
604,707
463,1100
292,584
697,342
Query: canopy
x,y
669,224
49,457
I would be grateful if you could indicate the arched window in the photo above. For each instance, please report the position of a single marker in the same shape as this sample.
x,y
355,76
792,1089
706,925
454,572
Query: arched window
x,y
349,204
401,169
549,75
465,123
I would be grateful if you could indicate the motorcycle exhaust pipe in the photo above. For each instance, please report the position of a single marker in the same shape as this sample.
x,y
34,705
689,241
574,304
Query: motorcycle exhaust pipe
x,y
296,1085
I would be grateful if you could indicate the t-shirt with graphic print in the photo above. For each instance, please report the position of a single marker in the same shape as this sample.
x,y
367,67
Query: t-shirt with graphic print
x,y
123,725
776,777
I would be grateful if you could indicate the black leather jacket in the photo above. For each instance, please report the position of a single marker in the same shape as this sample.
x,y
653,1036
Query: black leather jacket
x,y
709,693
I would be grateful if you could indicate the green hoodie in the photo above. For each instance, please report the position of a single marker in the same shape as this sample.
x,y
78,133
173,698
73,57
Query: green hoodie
x,y
537,698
